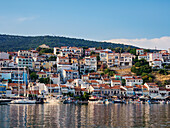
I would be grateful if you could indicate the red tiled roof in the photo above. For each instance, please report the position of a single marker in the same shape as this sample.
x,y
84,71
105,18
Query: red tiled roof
x,y
94,73
106,79
70,80
128,86
70,70
144,86
63,86
138,86
64,63
41,73
116,81
52,85
157,60
93,81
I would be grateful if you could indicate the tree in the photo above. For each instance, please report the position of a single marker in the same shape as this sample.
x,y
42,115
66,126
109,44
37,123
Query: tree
x,y
55,65
141,66
33,76
166,82
92,53
45,80
10,57
133,51
98,58
85,96
163,71
147,77
109,72
9,81
53,41
123,82
52,58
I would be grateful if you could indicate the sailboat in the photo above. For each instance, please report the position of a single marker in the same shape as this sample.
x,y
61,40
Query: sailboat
x,y
22,101
51,99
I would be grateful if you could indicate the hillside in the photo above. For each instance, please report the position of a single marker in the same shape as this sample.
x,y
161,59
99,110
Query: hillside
x,y
160,79
14,43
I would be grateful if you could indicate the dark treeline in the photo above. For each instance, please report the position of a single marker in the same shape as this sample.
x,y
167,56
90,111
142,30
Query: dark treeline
x,y
15,43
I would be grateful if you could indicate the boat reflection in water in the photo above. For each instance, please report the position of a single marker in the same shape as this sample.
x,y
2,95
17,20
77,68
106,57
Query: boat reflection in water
x,y
91,115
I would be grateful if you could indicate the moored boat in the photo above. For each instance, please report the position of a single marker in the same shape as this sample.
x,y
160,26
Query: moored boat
x,y
5,101
23,101
118,101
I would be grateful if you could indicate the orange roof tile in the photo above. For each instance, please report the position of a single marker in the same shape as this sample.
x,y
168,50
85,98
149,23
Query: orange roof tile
x,y
52,85
116,81
41,73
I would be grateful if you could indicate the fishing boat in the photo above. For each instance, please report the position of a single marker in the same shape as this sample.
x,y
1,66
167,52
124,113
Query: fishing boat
x,y
5,101
68,101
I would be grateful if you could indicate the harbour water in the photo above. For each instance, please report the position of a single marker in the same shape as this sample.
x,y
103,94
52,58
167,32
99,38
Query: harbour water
x,y
91,115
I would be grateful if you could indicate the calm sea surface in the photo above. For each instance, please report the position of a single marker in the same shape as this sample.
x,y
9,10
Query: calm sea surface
x,y
70,115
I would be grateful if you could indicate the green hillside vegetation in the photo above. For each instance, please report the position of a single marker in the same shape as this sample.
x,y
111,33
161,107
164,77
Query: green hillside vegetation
x,y
142,68
15,43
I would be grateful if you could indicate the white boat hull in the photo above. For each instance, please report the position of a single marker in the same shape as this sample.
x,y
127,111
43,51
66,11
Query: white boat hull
x,y
23,102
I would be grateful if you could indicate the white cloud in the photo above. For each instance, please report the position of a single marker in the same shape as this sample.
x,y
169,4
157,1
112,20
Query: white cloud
x,y
22,19
160,43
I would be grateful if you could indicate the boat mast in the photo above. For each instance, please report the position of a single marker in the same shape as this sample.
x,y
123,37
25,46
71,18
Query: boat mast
x,y
50,84
25,91
18,83
59,82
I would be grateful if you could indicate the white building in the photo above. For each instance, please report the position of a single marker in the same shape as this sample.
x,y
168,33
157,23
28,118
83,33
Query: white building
x,y
90,63
126,59
139,52
153,56
4,55
116,82
56,79
56,50
70,74
134,81
153,89
157,63
27,53
144,56
24,61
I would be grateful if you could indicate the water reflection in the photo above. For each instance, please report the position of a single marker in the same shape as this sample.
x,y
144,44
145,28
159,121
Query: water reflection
x,y
59,115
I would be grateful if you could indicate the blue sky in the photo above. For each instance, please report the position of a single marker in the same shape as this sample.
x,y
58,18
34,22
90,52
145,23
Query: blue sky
x,y
88,19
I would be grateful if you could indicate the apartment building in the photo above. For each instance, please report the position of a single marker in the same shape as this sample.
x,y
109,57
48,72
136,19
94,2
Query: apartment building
x,y
26,53
23,61
70,74
126,59
90,63
13,73
134,81
139,51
